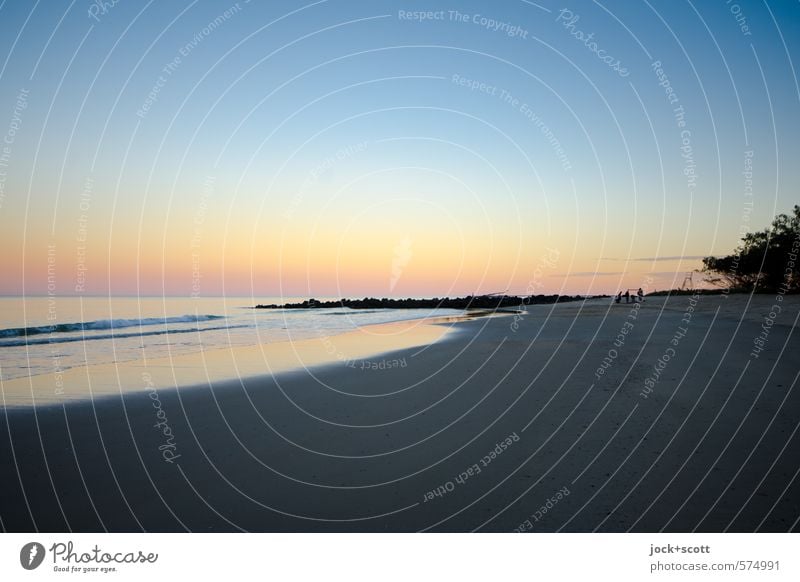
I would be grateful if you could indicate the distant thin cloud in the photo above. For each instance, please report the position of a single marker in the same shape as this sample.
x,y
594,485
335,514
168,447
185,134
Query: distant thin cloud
x,y
651,259
618,273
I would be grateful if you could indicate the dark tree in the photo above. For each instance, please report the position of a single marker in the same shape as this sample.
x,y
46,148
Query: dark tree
x,y
766,260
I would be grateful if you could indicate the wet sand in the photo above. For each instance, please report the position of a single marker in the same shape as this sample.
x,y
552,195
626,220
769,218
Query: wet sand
x,y
215,365
503,424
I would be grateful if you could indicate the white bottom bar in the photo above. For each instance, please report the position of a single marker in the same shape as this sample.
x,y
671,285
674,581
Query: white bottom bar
x,y
402,557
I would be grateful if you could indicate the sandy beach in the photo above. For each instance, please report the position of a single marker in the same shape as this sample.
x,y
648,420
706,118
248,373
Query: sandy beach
x,y
676,415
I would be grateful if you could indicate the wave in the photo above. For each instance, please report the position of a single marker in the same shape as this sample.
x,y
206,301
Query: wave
x,y
115,336
102,324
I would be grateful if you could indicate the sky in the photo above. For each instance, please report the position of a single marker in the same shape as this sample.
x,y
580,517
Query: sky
x,y
374,148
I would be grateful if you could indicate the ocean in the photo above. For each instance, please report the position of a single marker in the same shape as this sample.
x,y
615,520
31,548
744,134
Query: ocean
x,y
38,334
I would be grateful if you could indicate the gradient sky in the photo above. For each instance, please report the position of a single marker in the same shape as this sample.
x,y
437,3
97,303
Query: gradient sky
x,y
329,149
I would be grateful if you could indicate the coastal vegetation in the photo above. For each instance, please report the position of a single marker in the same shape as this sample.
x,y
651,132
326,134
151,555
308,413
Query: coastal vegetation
x,y
765,261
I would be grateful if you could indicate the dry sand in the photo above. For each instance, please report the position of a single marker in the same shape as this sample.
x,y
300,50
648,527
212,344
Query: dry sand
x,y
502,424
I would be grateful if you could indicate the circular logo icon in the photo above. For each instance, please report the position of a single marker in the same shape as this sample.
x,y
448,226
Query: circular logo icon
x,y
31,555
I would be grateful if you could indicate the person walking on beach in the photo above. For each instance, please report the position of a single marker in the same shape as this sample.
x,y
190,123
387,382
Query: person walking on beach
x,y
640,293
627,296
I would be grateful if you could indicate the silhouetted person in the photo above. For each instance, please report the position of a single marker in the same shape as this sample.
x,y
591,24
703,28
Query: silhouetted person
x,y
627,296
618,298
640,293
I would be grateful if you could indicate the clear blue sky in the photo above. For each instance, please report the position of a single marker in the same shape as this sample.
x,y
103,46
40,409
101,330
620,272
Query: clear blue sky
x,y
335,130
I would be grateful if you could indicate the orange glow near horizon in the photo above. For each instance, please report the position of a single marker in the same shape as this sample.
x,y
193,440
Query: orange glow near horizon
x,y
398,260
404,246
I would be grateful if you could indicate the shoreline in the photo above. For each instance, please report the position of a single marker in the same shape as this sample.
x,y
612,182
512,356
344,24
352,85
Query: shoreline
x,y
217,365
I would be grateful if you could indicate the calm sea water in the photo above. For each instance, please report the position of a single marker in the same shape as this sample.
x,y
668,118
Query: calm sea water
x,y
98,330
